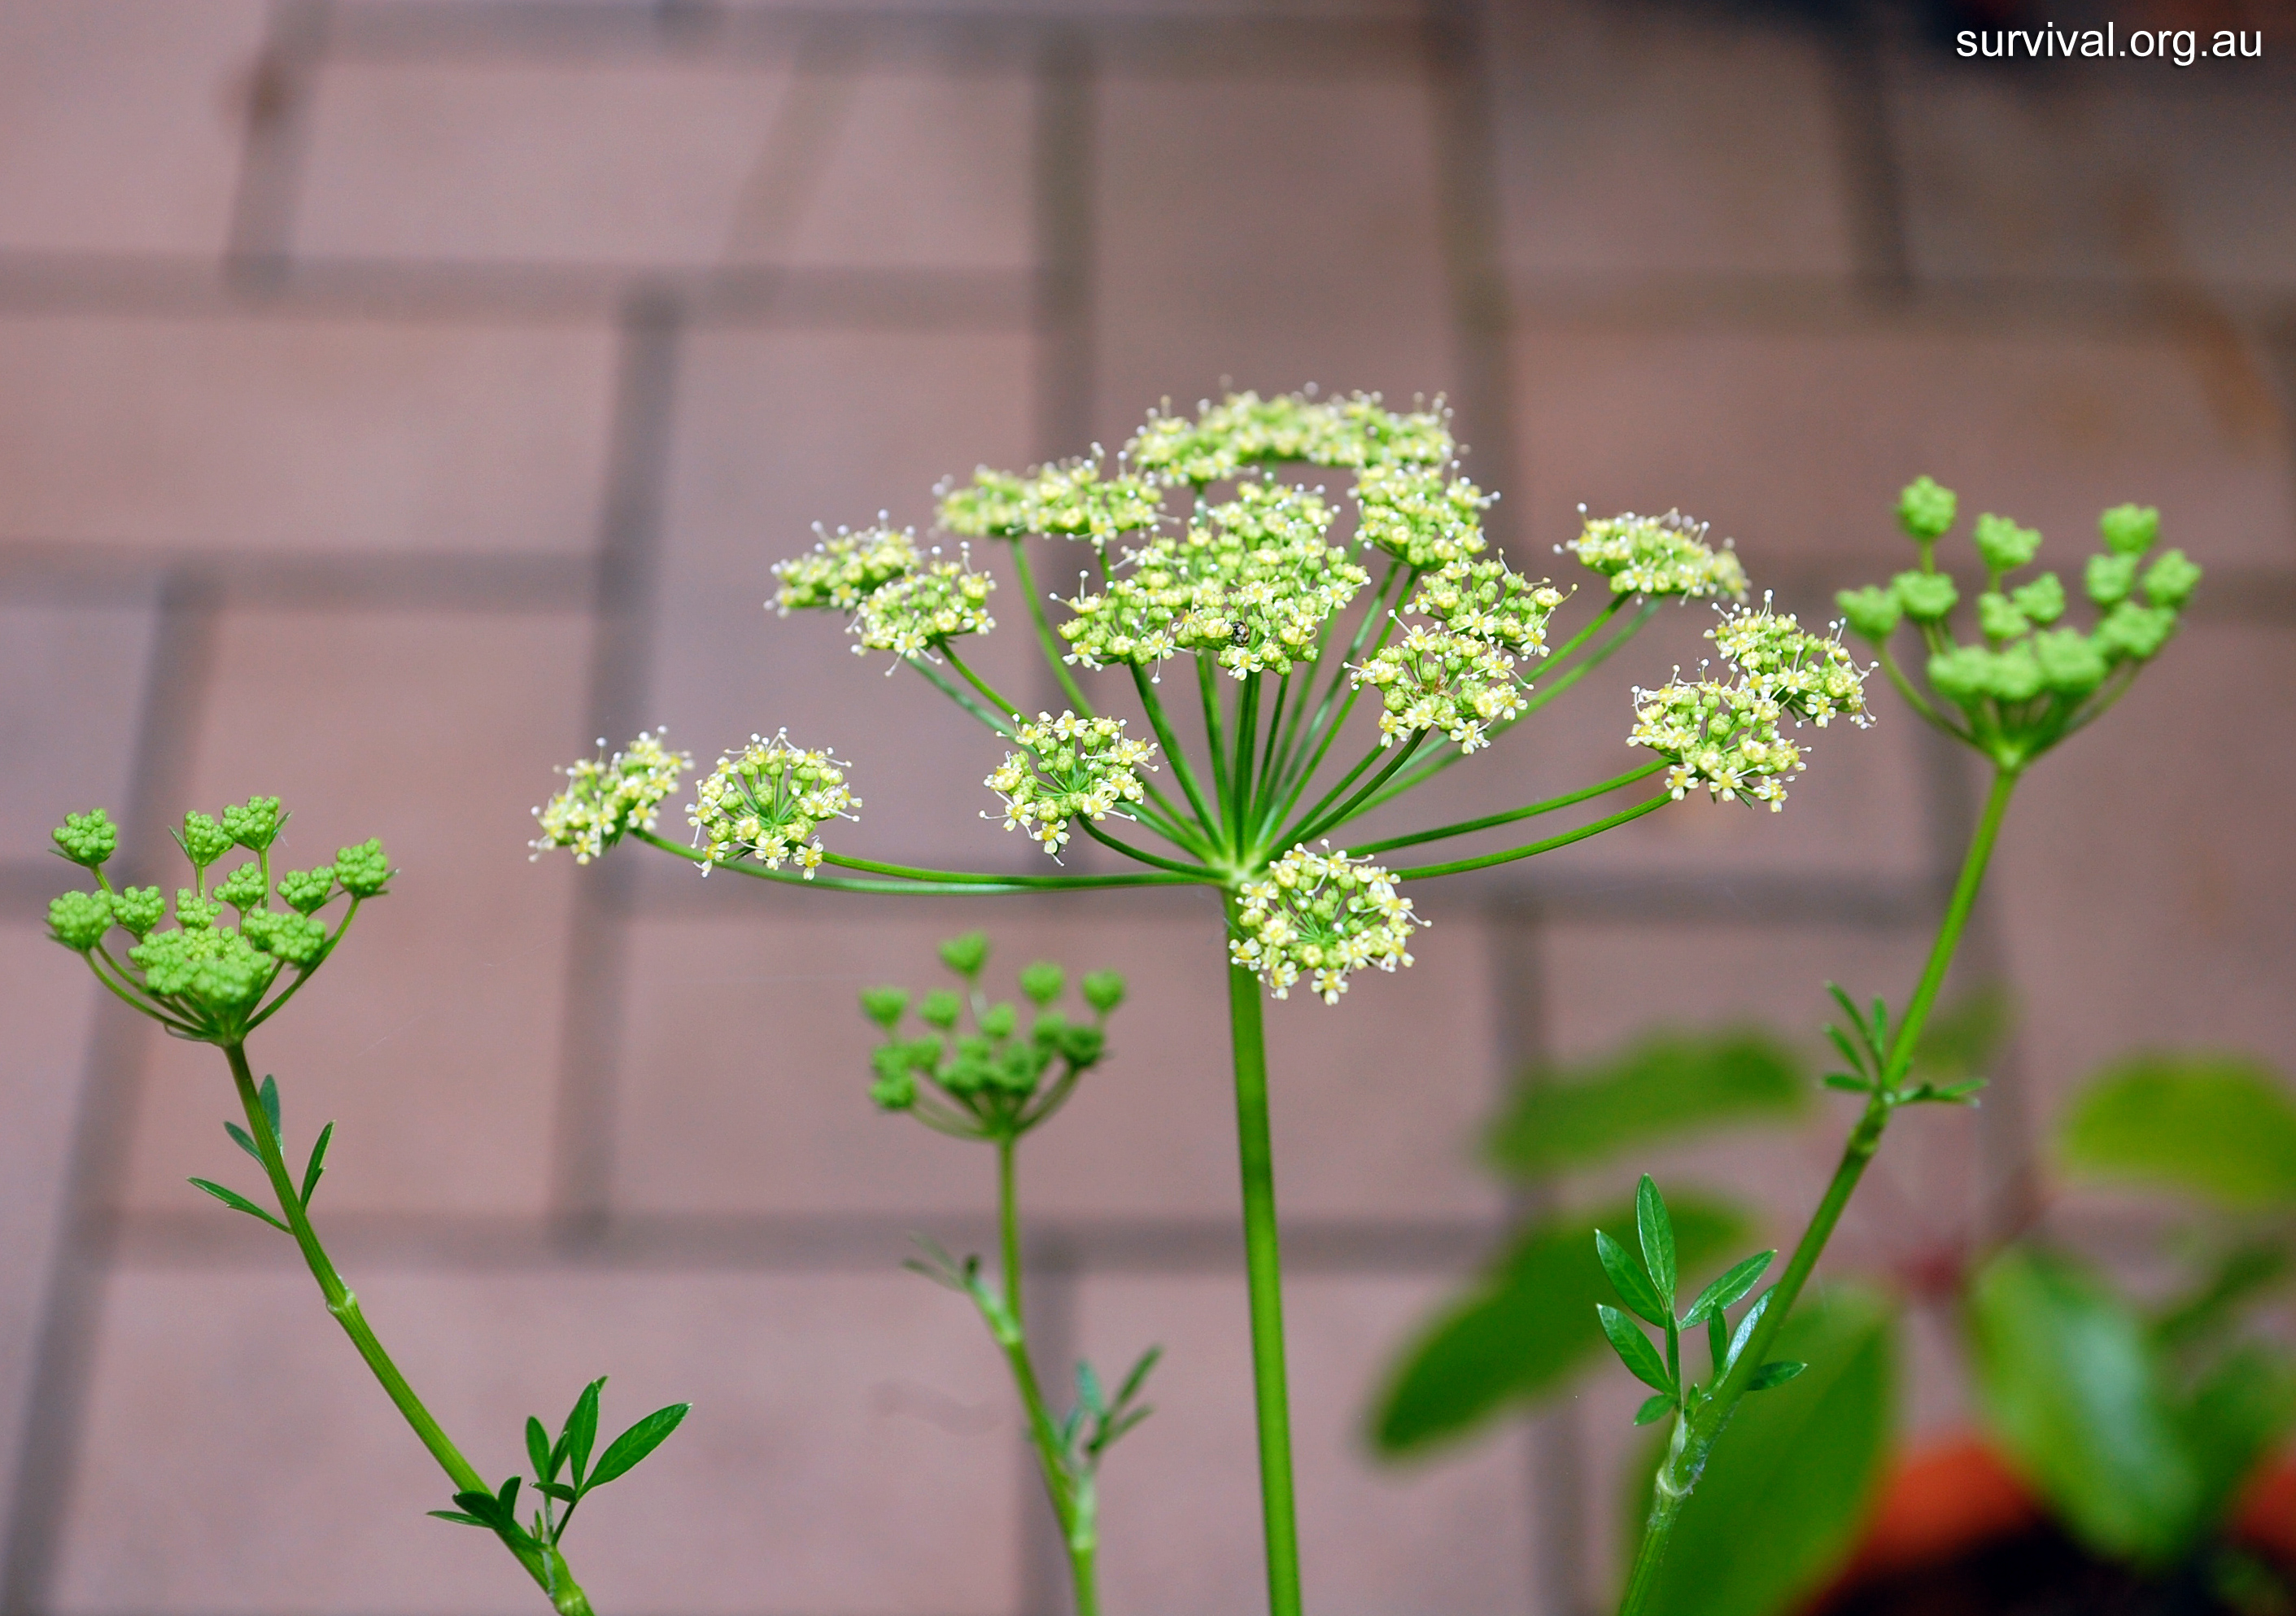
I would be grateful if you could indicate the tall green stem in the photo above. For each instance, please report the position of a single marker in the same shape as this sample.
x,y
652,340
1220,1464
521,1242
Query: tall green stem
x,y
1008,1227
1694,1438
1264,1273
547,1567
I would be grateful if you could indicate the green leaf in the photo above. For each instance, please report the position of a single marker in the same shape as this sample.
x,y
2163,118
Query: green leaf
x,y
1138,1377
238,1203
538,1451
1656,1232
1634,1347
2238,1414
1089,1393
1844,1081
2219,1127
1753,1316
1656,1406
1963,1040
1627,1279
457,1517
239,1138
2241,1277
1787,1490
559,1491
2071,1387
1723,1293
269,1096
1524,1328
1664,1087
582,1429
1774,1375
633,1444
484,1507
313,1171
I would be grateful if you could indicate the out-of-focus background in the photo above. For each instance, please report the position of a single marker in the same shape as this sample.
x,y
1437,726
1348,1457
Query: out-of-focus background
x,y
393,396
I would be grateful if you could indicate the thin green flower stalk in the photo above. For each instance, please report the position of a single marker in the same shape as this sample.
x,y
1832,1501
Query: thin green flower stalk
x,y
1335,668
977,1073
215,983
2021,687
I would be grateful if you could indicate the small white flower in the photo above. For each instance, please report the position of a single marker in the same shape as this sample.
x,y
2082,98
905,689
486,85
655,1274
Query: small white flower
x,y
1322,912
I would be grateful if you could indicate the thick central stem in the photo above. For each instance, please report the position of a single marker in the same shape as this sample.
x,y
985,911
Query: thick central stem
x,y
1264,1273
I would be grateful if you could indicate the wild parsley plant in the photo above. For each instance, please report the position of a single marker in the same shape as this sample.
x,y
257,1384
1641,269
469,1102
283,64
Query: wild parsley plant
x,y
1194,552
216,983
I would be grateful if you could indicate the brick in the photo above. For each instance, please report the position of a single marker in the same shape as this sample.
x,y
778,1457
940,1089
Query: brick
x,y
291,435
745,1077
1666,146
778,430
2050,429
121,123
86,662
433,1035
2106,176
2143,897
1451,1537
853,1445
41,1091
1271,231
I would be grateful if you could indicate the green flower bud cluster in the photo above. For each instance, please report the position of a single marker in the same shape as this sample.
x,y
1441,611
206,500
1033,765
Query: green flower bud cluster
x,y
202,979
1068,769
1321,912
765,803
1810,675
1245,431
1655,555
1413,514
1254,586
606,797
989,1068
914,613
844,570
1068,500
1722,737
2028,684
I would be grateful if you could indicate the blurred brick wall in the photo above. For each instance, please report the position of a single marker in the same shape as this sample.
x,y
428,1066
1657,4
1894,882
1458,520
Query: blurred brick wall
x,y
395,396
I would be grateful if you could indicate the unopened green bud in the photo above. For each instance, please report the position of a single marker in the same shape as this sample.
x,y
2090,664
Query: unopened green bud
x,y
1926,597
966,955
1925,510
1872,612
296,939
306,890
1962,675
1079,1044
2110,578
138,909
244,889
940,1008
2070,663
2129,529
2170,580
1042,981
894,1091
88,839
255,824
1103,990
883,1005
194,913
2136,632
2013,675
203,840
2043,600
78,920
2004,545
364,870
998,1021
1999,618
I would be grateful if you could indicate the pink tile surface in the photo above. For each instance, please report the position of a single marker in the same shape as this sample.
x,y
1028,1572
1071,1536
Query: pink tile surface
x,y
121,122
745,1076
434,1036
852,1446
83,668
295,435
1445,1537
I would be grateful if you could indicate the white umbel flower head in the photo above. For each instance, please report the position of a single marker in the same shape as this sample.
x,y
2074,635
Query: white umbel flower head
x,y
766,801
1653,555
1810,675
1068,769
844,570
605,796
1323,915
1415,514
914,613
1722,737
